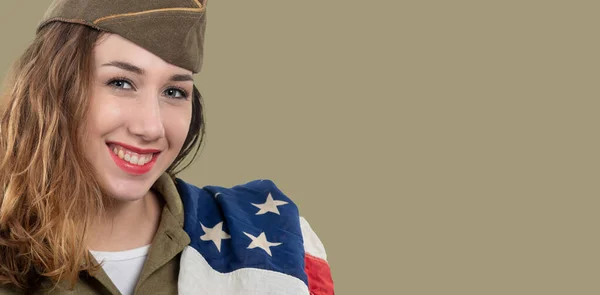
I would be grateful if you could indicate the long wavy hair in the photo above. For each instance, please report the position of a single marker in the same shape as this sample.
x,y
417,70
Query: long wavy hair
x,y
49,195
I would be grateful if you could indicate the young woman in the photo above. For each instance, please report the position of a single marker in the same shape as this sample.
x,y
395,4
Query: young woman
x,y
100,113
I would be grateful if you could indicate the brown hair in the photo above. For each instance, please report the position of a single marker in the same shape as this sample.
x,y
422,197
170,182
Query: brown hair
x,y
194,139
48,193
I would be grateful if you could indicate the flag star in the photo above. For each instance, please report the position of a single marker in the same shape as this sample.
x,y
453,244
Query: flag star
x,y
269,206
261,242
215,234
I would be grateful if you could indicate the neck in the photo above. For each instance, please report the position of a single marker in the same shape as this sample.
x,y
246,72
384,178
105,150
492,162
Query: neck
x,y
126,225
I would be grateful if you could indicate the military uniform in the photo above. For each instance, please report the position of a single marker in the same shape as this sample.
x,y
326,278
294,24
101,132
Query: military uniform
x,y
249,239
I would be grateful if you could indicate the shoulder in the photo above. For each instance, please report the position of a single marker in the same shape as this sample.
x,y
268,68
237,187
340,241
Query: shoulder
x,y
252,225
257,203
238,192
248,201
255,198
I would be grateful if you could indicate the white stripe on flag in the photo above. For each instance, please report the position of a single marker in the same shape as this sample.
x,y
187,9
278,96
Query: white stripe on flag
x,y
197,277
312,243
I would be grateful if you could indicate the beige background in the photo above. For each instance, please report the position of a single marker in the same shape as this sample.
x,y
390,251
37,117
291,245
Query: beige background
x,y
437,147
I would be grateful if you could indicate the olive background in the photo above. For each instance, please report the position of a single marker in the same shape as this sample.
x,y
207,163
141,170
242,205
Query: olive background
x,y
436,147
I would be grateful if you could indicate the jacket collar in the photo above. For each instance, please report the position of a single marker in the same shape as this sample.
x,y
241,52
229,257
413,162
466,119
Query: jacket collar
x,y
165,186
170,238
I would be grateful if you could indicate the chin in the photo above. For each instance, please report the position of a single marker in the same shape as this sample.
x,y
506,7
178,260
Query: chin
x,y
128,190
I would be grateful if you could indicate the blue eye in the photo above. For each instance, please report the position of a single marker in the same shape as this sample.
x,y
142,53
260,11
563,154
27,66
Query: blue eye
x,y
176,93
120,83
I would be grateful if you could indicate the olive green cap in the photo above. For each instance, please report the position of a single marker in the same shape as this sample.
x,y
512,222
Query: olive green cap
x,y
171,29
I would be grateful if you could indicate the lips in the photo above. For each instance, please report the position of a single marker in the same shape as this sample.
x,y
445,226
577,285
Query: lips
x,y
133,148
133,160
130,156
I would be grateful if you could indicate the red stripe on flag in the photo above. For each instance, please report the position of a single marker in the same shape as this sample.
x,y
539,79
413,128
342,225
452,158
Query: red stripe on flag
x,y
320,281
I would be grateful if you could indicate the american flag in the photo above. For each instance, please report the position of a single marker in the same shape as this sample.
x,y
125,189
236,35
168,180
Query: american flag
x,y
249,239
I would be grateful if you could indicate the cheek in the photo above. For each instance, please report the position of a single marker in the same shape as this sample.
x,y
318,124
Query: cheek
x,y
177,124
104,115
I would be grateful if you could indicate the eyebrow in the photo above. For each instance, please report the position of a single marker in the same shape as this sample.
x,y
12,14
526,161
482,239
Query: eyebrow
x,y
125,66
137,70
181,78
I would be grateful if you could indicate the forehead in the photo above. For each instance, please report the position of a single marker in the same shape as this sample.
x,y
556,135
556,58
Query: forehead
x,y
112,47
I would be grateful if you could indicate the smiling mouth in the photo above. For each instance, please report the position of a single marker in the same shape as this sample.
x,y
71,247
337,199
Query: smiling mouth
x,y
131,156
133,162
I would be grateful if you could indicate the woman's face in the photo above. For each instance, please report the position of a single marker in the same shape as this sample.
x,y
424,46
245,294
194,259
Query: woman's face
x,y
139,116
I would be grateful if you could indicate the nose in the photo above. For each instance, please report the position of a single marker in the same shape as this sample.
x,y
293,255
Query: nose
x,y
146,121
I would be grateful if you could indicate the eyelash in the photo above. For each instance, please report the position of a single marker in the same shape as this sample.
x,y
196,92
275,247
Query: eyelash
x,y
184,94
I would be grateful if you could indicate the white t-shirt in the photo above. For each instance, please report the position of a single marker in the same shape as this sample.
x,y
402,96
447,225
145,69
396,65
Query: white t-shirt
x,y
124,267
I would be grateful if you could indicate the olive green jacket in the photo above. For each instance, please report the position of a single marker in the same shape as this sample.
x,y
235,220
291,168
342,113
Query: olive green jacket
x,y
160,271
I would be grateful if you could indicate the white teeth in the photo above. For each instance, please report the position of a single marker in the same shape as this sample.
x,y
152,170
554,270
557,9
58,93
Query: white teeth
x,y
131,157
143,160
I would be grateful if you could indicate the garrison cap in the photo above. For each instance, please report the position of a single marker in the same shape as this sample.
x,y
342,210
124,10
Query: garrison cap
x,y
171,29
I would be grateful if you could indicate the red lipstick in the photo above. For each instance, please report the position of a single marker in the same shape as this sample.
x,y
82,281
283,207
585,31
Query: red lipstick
x,y
134,169
134,149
